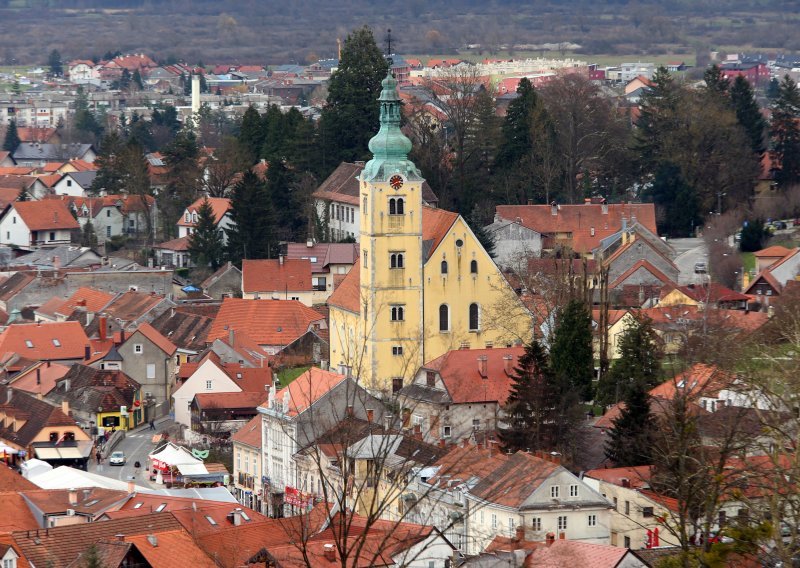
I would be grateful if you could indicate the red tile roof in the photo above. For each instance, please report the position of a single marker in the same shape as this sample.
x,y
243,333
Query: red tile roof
x,y
249,434
179,244
282,276
220,206
637,477
575,553
342,186
17,514
580,219
308,388
775,251
767,277
459,370
435,224
155,337
11,480
267,322
93,300
45,215
169,546
55,341
39,378
34,134
712,293
347,294
231,400
513,482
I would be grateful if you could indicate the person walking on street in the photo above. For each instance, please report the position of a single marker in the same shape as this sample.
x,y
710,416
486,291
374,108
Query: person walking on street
x,y
152,424
99,457
136,467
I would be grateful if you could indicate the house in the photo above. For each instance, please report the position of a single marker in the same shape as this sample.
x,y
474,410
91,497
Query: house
x,y
295,416
280,278
82,70
459,393
221,207
174,253
513,241
39,134
638,513
579,228
274,326
63,342
247,464
772,280
330,262
148,358
239,348
424,284
34,428
33,224
212,376
36,155
489,493
76,184
59,257
336,201
39,378
108,399
711,294
215,416
84,298
756,73
128,310
186,330
616,323
636,256
104,213
226,282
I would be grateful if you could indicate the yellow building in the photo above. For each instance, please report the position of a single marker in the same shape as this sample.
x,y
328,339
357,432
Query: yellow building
x,y
424,284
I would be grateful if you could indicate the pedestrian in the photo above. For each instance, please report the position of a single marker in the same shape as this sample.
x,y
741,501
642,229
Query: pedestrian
x,y
152,424
99,457
136,466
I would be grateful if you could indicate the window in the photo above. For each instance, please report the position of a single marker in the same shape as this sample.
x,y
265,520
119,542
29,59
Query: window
x,y
627,542
398,313
209,384
554,492
592,520
56,343
397,384
364,205
430,378
397,350
366,264
194,217
151,370
723,517
444,317
511,524
29,344
446,431
138,348
473,267
187,217
14,220
396,206
161,507
616,503
562,523
627,507
108,231
573,490
444,267
52,236
494,521
396,260
108,212
474,317
536,523
647,512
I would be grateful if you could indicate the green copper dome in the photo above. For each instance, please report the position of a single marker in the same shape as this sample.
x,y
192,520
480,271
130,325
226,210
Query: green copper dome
x,y
389,147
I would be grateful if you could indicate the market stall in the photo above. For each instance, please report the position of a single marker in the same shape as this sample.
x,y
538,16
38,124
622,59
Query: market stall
x,y
164,466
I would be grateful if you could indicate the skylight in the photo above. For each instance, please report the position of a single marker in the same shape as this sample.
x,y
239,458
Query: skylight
x,y
211,521
161,507
56,342
138,505
244,515
29,343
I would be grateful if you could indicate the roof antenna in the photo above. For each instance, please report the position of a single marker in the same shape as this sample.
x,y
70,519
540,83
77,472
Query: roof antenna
x,y
388,40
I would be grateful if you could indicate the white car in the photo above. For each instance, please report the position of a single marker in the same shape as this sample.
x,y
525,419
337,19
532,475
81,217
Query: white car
x,y
117,458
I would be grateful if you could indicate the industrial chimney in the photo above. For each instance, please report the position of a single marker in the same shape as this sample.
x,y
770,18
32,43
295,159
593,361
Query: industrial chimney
x,y
195,93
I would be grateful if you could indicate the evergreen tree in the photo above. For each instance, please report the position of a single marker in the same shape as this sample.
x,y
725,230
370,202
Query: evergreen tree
x,y
55,64
88,235
753,235
748,114
516,132
351,116
110,170
250,234
657,119
183,180
251,134
280,190
773,88
530,403
275,129
717,84
571,355
23,195
630,440
786,133
137,81
639,362
206,243
677,210
84,119
483,236
11,140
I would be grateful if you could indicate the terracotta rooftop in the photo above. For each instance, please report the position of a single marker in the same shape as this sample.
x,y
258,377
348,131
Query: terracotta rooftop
x,y
131,305
435,224
17,515
185,330
162,550
40,377
575,553
276,276
230,400
712,293
90,501
220,206
45,215
323,254
91,299
267,322
347,294
156,338
45,341
637,477
249,434
775,251
308,388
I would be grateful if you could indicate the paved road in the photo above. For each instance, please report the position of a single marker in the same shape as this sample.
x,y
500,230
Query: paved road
x,y
689,252
137,445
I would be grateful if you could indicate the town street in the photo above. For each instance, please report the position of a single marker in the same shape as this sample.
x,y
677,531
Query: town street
x,y
688,252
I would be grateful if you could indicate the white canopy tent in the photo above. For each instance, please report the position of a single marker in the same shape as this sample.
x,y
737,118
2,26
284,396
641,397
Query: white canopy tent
x,y
173,456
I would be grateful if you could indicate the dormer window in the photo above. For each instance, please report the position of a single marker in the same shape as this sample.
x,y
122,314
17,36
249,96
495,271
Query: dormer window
x,y
194,217
187,217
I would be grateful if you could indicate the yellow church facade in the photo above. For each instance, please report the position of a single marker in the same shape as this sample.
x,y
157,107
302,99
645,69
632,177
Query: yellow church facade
x,y
423,285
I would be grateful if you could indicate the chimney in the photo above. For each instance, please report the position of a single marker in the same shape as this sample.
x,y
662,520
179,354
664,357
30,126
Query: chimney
x,y
122,336
554,208
237,517
309,242
131,488
153,540
38,375
550,538
350,410
520,533
329,552
483,364
562,536
87,352
65,407
120,537
280,259
417,431
9,394
231,336
370,415
102,327
73,497
604,207
508,364
195,93
626,482
530,202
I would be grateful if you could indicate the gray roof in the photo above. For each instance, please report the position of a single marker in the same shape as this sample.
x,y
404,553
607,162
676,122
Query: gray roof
x,y
84,179
67,256
50,152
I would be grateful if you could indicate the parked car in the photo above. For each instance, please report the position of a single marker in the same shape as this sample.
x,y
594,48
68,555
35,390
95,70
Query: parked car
x,y
700,268
117,458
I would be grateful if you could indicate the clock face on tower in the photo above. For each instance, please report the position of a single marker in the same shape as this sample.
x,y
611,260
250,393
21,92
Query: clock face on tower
x,y
396,181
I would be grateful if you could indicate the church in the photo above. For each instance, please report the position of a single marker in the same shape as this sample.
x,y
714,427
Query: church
x,y
423,284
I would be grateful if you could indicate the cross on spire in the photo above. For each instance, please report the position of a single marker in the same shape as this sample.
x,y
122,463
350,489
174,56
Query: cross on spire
x,y
388,40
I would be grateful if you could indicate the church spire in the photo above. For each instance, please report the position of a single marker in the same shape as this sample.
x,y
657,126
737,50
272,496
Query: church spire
x,y
389,147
